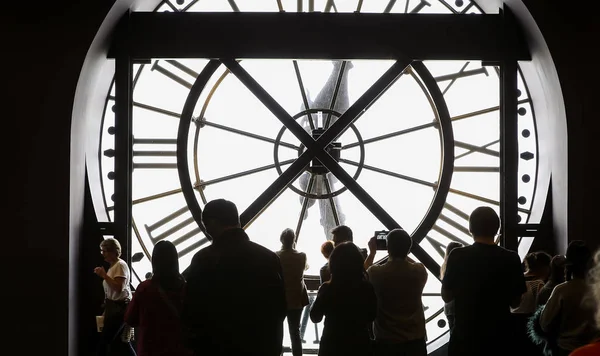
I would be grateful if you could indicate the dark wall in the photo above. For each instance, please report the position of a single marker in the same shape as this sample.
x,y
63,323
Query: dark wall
x,y
48,49
43,64
570,33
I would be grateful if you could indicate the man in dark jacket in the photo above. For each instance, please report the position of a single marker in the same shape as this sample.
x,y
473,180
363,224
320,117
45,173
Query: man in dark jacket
x,y
235,297
485,281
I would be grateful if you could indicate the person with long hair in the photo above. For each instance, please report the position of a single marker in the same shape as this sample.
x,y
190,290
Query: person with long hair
x,y
484,280
449,306
156,305
348,303
566,312
117,295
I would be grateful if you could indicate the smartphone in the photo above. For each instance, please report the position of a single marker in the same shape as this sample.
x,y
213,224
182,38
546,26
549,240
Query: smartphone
x,y
381,238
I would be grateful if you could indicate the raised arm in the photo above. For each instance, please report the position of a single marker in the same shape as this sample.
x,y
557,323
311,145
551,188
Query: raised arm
x,y
372,251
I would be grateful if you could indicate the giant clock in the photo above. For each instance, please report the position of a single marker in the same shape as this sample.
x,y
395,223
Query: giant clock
x,y
311,144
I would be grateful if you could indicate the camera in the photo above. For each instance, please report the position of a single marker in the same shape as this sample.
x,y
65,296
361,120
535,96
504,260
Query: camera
x,y
381,239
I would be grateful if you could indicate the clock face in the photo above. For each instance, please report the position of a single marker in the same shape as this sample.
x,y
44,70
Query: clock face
x,y
424,152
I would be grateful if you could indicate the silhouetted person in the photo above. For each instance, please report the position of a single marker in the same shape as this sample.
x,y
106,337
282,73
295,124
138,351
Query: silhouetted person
x,y
156,305
235,297
449,307
557,276
484,280
543,261
343,233
536,271
293,264
534,280
117,295
348,303
593,348
399,327
326,250
569,312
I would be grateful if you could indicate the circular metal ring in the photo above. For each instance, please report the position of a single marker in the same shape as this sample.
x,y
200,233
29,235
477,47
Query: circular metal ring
x,y
300,151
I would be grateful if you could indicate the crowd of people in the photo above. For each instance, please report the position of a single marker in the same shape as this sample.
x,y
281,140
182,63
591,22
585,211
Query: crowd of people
x,y
236,296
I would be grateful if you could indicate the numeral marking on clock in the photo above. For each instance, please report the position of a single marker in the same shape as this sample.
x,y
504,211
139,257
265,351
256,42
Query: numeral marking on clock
x,y
191,74
437,246
448,234
174,228
160,155
462,73
461,225
420,6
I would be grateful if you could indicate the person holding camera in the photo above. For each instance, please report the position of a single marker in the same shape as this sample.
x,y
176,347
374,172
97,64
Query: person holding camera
x,y
399,326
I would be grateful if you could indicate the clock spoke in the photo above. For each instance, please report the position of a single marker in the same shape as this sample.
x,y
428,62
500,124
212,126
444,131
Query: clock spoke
x,y
359,5
334,209
390,135
365,101
373,206
266,198
248,134
335,93
204,184
483,111
392,174
431,124
269,102
156,196
150,198
474,196
305,202
482,199
304,97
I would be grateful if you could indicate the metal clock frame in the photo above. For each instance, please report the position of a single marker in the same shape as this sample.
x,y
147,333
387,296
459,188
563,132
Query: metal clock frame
x,y
493,39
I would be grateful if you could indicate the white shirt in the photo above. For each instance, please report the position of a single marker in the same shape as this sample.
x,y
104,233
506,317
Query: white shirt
x,y
119,269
